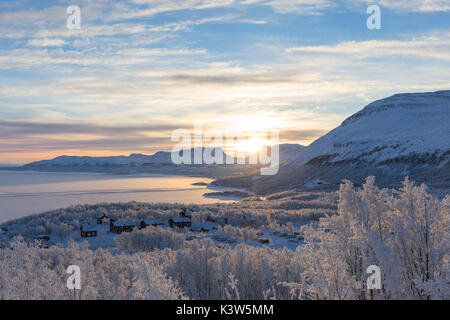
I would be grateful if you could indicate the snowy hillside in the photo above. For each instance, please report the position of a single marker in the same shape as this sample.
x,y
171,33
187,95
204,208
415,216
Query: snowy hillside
x,y
398,127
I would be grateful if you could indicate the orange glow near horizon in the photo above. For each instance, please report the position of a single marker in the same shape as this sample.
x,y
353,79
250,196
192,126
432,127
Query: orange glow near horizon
x,y
250,132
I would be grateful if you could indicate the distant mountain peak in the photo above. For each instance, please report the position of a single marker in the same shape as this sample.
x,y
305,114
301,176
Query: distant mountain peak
x,y
408,101
400,126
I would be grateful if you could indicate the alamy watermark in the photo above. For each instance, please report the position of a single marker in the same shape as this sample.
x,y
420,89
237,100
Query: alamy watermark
x,y
193,150
73,22
374,280
74,281
374,21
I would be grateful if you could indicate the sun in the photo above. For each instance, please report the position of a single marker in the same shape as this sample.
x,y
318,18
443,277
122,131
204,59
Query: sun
x,y
253,133
250,146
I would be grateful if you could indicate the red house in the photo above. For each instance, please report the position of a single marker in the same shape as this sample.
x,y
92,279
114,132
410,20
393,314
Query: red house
x,y
87,231
120,227
180,222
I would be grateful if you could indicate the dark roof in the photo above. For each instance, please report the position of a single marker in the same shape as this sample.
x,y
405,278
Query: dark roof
x,y
87,227
180,220
123,224
153,221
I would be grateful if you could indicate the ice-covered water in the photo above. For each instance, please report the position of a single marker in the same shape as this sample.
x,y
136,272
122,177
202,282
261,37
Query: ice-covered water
x,y
26,192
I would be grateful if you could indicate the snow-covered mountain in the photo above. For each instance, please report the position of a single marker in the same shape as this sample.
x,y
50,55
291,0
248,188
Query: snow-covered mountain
x,y
399,127
76,161
405,134
135,159
287,153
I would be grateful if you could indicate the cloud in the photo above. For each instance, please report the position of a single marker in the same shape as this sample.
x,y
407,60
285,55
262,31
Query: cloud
x,y
299,134
106,144
19,129
149,8
233,80
409,5
24,58
17,137
428,47
47,42
300,6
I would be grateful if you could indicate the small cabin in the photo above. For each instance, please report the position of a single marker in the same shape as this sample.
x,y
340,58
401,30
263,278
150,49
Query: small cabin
x,y
67,223
180,223
43,241
87,231
263,240
44,238
103,219
154,223
120,227
185,213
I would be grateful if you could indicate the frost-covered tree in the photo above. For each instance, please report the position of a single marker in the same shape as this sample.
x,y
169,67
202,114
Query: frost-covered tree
x,y
405,233
151,283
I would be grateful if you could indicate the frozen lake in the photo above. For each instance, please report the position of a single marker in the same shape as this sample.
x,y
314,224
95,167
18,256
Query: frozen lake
x,y
26,192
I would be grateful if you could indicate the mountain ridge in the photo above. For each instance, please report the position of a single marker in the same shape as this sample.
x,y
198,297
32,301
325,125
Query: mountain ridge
x,y
404,134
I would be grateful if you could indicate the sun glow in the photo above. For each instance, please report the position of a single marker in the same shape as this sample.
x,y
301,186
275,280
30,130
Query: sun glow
x,y
250,146
253,124
252,132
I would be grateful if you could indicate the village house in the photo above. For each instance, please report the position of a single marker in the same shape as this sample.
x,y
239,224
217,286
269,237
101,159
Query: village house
x,y
43,241
88,231
102,219
120,227
221,220
185,213
68,223
155,223
44,238
180,222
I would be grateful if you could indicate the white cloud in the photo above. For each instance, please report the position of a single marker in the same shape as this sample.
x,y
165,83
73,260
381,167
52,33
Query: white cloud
x,y
46,42
154,7
300,6
409,5
427,47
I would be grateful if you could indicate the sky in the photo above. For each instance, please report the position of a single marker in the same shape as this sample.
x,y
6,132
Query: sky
x,y
137,70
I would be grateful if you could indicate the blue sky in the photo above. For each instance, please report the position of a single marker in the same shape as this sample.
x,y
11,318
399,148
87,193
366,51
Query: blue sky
x,y
139,69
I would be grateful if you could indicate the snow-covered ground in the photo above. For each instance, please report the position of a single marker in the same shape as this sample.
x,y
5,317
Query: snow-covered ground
x,y
291,245
273,223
